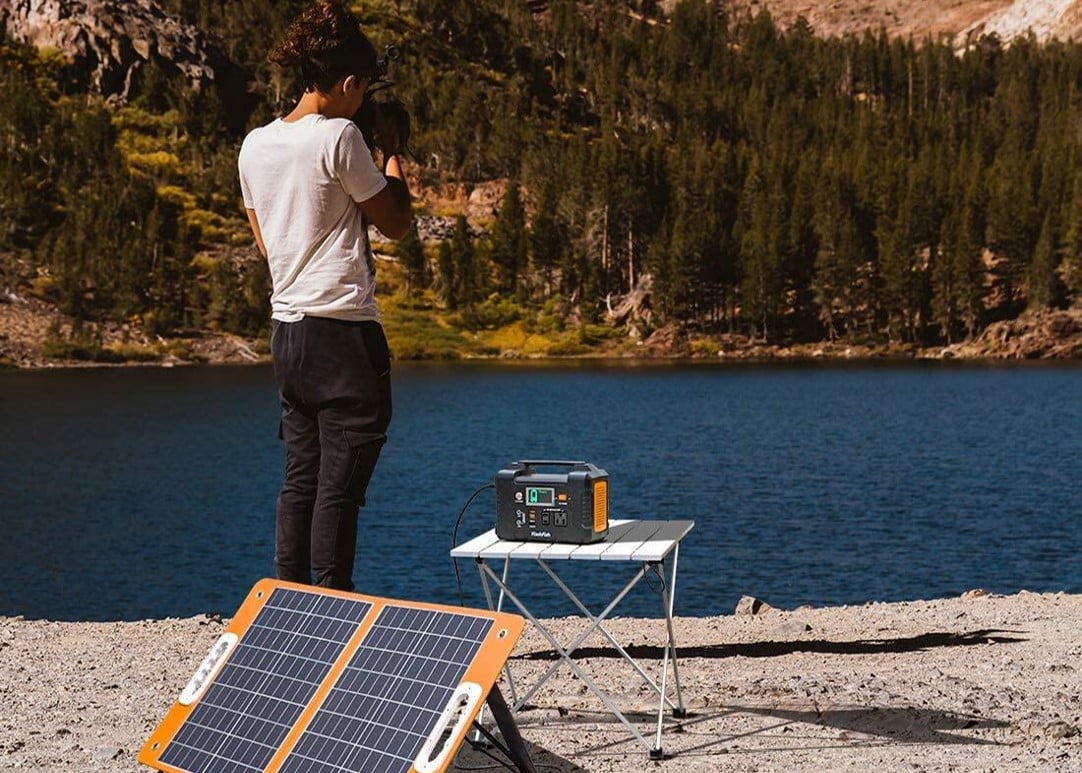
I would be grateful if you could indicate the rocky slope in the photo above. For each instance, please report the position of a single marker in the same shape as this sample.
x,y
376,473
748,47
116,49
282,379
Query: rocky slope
x,y
1045,335
959,20
107,43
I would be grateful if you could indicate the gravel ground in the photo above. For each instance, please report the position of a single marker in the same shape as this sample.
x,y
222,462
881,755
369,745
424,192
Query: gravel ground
x,y
976,683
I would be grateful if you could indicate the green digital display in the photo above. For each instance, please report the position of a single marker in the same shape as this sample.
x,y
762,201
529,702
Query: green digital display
x,y
539,495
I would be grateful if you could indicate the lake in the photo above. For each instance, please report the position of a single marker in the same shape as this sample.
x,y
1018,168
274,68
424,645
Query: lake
x,y
143,492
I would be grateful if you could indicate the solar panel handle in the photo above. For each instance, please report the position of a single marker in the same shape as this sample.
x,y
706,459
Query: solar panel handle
x,y
450,728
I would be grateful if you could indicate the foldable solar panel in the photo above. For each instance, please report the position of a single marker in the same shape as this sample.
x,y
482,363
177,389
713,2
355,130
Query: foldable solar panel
x,y
307,680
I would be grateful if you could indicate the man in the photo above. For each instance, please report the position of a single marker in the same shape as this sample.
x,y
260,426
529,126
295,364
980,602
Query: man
x,y
310,188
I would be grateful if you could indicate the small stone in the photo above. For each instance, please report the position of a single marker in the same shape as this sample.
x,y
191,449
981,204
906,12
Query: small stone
x,y
749,605
974,593
793,628
107,753
1059,730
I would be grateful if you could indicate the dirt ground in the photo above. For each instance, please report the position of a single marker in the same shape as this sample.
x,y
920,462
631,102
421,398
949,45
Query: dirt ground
x,y
976,683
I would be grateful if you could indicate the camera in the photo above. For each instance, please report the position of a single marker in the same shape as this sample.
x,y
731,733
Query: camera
x,y
378,116
390,54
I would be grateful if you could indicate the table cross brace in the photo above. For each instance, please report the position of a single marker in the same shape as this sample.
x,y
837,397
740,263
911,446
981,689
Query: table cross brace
x,y
565,654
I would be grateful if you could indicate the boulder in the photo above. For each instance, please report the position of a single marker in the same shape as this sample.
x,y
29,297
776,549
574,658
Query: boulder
x,y
668,341
749,605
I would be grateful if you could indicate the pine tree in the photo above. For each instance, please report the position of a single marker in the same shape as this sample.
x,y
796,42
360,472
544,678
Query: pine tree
x,y
448,283
469,284
411,254
760,233
836,264
548,238
1042,285
1009,231
1070,269
509,246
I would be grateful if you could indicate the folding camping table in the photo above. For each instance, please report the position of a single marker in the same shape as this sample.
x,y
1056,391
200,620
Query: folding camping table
x,y
647,543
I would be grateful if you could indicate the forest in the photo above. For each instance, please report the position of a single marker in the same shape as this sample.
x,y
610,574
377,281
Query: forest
x,y
755,180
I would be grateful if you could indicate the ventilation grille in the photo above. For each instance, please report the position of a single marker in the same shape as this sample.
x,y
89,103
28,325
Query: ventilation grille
x,y
601,506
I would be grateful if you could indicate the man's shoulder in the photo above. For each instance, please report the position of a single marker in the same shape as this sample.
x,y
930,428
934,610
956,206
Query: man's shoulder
x,y
264,129
256,136
336,127
329,132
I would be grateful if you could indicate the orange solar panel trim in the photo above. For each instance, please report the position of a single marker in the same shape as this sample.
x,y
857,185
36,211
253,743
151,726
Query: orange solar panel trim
x,y
179,713
484,669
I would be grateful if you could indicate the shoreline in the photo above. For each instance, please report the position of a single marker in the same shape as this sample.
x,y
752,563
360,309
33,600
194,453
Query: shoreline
x,y
782,356
976,682
1049,336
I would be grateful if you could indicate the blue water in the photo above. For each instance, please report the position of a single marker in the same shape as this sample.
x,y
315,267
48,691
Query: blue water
x,y
132,493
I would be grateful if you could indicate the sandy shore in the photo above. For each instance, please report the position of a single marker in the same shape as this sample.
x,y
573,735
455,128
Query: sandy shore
x,y
977,683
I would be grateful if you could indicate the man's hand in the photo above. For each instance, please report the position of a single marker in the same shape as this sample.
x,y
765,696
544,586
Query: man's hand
x,y
392,127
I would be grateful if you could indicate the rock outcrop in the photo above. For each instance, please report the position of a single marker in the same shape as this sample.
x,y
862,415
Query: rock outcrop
x,y
1050,334
108,42
964,22
1045,19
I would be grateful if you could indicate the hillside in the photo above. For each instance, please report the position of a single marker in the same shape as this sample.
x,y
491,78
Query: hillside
x,y
955,19
673,184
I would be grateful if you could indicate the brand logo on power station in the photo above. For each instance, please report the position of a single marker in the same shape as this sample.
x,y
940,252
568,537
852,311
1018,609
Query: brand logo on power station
x,y
541,534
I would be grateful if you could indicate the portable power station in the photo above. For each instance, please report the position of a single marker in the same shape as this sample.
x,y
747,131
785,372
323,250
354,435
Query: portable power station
x,y
567,504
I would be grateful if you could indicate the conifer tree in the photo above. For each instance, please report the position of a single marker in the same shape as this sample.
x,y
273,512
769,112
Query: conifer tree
x,y
1042,285
509,246
1070,269
836,264
412,256
548,238
760,235
470,284
448,283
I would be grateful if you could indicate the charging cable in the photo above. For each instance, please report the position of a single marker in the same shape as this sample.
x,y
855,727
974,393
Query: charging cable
x,y
454,538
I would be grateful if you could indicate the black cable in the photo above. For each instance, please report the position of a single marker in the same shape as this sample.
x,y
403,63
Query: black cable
x,y
454,538
657,568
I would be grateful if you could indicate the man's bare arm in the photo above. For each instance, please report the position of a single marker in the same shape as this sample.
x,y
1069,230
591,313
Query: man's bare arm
x,y
254,222
391,210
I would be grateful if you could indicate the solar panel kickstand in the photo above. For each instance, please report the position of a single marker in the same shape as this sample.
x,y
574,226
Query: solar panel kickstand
x,y
516,748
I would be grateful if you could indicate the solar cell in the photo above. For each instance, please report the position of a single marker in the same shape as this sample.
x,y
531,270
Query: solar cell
x,y
394,689
271,676
307,680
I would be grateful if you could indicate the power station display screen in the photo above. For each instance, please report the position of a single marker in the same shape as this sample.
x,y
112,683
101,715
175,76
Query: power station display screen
x,y
540,495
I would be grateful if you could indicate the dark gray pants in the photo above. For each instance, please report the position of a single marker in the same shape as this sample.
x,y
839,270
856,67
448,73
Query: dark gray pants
x,y
335,387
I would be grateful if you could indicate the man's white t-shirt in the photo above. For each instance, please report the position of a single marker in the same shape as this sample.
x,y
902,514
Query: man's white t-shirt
x,y
305,179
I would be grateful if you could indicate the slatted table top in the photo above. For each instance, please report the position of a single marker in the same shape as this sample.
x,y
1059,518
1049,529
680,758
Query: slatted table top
x,y
627,540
